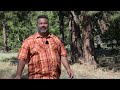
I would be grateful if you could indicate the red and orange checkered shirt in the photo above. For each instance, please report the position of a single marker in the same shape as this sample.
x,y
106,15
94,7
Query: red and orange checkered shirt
x,y
44,59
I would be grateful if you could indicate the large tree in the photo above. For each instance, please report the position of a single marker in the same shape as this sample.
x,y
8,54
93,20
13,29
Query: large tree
x,y
87,39
76,47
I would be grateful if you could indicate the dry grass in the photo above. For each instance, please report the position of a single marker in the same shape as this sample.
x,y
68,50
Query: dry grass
x,y
8,71
7,55
88,72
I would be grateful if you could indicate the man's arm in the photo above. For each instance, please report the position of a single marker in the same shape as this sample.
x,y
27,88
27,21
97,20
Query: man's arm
x,y
67,66
20,67
23,56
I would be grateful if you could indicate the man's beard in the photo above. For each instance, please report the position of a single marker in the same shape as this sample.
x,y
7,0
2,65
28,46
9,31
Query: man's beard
x,y
42,30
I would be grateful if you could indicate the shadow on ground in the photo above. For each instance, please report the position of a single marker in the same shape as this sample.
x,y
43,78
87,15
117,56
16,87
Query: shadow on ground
x,y
109,59
12,60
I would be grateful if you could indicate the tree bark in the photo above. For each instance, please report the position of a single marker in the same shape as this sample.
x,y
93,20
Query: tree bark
x,y
5,37
76,47
103,23
88,43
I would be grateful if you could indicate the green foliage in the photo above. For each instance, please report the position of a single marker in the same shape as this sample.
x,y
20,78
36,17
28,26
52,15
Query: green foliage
x,y
22,24
92,13
114,29
18,24
114,16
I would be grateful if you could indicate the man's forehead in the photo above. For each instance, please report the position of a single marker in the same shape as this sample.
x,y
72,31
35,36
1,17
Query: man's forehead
x,y
42,19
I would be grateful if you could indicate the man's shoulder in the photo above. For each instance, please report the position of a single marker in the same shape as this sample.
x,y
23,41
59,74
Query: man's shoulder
x,y
30,38
56,38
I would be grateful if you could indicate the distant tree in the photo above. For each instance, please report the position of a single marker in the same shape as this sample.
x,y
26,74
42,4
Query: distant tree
x,y
5,36
61,25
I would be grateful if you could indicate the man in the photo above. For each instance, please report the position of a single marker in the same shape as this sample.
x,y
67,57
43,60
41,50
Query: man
x,y
45,53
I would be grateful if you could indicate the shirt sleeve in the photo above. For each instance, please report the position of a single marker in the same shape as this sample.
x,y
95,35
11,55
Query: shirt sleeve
x,y
23,53
63,50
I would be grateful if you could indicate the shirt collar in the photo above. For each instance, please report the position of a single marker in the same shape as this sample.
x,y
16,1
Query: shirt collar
x,y
37,35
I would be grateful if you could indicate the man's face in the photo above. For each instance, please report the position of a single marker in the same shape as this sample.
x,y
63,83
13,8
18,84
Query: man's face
x,y
42,25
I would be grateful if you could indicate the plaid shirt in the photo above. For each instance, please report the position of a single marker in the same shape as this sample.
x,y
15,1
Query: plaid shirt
x,y
44,59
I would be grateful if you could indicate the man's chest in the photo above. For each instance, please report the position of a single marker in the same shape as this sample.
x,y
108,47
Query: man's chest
x,y
43,45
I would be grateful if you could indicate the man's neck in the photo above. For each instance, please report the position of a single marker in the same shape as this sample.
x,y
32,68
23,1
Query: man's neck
x,y
44,34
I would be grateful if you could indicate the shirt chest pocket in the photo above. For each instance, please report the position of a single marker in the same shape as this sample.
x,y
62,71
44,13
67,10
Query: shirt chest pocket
x,y
56,48
36,49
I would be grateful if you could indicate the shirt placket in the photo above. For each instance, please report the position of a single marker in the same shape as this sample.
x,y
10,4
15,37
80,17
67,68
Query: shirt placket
x,y
46,48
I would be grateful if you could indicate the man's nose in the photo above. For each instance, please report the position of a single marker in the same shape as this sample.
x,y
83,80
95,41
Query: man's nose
x,y
43,25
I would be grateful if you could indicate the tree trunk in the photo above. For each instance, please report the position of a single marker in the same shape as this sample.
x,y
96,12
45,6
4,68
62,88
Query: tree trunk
x,y
88,43
76,47
5,37
61,25
103,23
